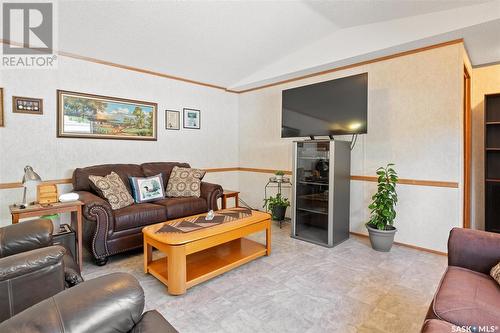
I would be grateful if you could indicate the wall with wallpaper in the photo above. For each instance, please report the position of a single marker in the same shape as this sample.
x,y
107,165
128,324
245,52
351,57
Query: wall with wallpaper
x,y
414,120
31,139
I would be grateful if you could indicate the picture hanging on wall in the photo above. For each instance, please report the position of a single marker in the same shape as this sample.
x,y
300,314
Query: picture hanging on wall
x,y
172,120
191,118
82,115
27,105
1,108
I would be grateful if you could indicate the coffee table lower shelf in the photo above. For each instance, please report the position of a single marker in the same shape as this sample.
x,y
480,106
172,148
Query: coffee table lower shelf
x,y
206,264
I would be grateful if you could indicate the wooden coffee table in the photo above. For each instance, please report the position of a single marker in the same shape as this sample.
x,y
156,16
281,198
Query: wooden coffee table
x,y
196,256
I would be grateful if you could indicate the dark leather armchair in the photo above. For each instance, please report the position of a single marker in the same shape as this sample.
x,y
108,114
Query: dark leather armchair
x,y
111,303
31,269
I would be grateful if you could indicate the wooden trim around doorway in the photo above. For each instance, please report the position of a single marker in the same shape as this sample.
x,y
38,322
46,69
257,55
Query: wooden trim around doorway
x,y
467,119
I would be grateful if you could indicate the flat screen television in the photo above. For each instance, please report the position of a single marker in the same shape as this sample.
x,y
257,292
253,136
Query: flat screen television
x,y
335,107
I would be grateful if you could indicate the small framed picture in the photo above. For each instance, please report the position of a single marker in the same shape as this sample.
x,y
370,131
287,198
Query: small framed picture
x,y
1,108
191,118
172,120
27,105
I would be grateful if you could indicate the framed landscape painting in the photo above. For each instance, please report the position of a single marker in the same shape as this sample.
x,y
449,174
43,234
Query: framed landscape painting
x,y
100,117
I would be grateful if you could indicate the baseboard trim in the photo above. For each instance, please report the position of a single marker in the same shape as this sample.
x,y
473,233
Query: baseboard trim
x,y
423,249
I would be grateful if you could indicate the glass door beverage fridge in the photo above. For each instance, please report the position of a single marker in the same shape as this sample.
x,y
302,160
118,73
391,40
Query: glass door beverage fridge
x,y
321,190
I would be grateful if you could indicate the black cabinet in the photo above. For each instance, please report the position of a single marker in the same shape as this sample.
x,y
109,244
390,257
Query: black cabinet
x,y
65,236
321,192
492,162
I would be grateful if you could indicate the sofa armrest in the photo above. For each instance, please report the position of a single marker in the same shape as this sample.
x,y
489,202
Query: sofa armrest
x,y
211,192
30,261
98,210
153,322
28,278
91,200
25,236
473,249
110,303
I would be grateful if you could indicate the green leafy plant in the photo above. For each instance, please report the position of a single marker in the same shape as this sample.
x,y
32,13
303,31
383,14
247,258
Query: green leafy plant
x,y
277,201
382,208
279,173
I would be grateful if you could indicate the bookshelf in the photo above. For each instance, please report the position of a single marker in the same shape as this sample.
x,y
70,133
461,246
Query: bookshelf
x,y
492,162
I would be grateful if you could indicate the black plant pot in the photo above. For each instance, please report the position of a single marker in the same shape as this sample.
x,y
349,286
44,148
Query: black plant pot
x,y
278,213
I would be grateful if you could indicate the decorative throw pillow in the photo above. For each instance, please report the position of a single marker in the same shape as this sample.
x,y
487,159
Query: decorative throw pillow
x,y
495,273
146,189
112,188
184,182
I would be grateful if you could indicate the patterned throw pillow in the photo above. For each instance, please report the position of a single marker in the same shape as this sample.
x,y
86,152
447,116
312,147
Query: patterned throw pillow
x,y
185,182
146,189
495,273
112,188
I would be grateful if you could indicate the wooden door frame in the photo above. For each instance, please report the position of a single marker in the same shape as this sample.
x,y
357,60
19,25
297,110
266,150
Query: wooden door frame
x,y
467,118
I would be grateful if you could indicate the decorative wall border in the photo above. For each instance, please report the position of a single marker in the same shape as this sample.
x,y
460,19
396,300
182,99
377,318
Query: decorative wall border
x,y
402,181
214,86
357,64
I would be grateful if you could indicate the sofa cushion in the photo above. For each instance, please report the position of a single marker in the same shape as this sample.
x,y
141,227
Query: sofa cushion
x,y
112,188
165,168
495,273
182,207
145,189
185,182
466,298
81,180
138,215
437,326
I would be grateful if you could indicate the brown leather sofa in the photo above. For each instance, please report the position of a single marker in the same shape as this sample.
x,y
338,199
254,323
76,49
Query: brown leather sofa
x,y
467,296
111,303
31,269
108,231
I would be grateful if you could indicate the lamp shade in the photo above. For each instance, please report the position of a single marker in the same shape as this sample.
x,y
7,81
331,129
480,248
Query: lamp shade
x,y
30,175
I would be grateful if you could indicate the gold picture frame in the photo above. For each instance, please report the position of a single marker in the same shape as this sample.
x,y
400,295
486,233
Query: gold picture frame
x,y
27,105
81,115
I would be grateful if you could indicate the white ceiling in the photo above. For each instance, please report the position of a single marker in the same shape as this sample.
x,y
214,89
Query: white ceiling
x,y
239,44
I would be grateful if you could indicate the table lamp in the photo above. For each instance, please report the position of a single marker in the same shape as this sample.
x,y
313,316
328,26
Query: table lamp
x,y
30,176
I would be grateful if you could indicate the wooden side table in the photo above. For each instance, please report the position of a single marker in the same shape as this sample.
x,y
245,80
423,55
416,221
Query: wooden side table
x,y
73,207
229,194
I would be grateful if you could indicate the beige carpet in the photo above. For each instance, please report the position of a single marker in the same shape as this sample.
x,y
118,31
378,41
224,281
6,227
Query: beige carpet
x,y
300,288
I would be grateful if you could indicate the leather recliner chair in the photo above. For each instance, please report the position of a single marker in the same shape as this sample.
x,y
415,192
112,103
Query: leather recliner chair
x,y
31,269
110,303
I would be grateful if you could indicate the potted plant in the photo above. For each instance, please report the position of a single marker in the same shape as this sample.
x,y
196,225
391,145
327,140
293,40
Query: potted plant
x,y
277,205
279,175
380,227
